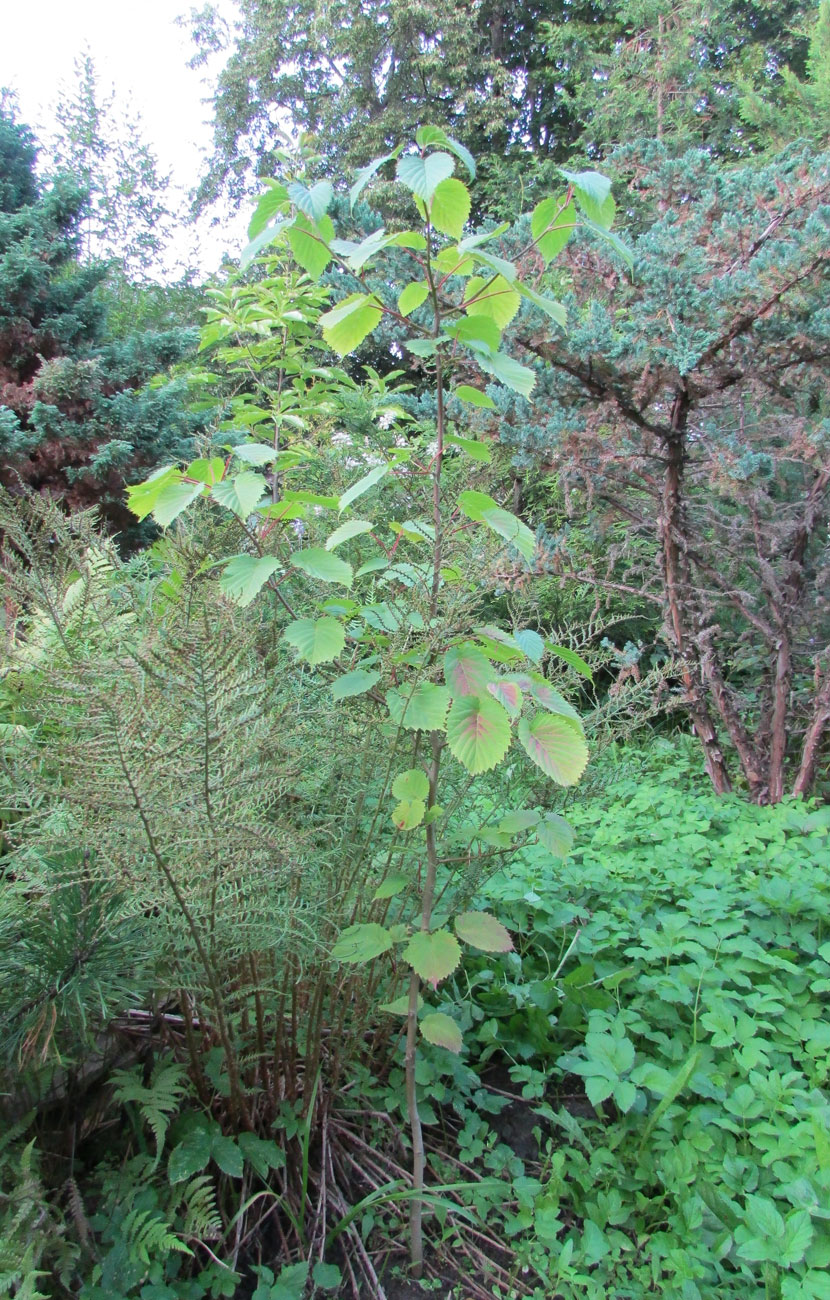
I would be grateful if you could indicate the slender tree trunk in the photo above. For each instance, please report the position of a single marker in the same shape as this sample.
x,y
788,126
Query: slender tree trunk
x,y
678,587
811,749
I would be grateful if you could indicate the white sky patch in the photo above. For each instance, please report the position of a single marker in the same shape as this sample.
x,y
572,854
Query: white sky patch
x,y
140,50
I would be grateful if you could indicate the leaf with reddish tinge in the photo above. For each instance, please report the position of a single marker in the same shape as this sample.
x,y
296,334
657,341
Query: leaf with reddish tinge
x,y
478,732
508,695
555,745
467,670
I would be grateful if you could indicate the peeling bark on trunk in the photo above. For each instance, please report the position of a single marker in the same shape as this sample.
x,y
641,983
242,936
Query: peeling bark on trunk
x,y
678,587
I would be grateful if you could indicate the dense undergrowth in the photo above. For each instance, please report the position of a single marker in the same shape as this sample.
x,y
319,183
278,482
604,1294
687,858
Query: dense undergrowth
x,y
667,1012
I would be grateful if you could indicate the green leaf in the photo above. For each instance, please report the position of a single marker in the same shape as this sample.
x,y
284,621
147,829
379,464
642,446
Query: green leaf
x,y
352,528
452,261
424,710
549,306
320,563
319,641
531,644
494,298
246,575
313,202
572,658
513,530
372,566
478,732
411,296
255,453
357,255
593,194
207,471
400,1007
362,485
191,1155
442,1031
365,174
508,695
475,397
255,246
310,244
480,333
467,670
261,1154
228,1156
475,450
498,264
142,497
607,236
422,176
509,372
554,833
450,207
413,784
422,347
359,943
481,930
433,956
473,504
390,888
515,823
357,682
552,223
408,814
275,199
326,1276
551,700
556,746
240,494
347,325
173,498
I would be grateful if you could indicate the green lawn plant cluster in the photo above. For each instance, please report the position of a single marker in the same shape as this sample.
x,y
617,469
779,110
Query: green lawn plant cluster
x,y
665,1011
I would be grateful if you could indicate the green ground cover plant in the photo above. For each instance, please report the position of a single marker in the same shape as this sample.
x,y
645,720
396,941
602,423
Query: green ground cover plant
x,y
665,1011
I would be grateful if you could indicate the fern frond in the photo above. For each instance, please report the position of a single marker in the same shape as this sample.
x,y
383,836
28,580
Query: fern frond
x,y
159,1101
148,1236
202,1220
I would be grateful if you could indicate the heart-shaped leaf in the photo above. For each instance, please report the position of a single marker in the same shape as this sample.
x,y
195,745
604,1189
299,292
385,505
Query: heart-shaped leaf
x,y
346,325
246,575
552,223
450,207
424,710
422,176
242,493
433,956
555,834
412,296
478,732
318,641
